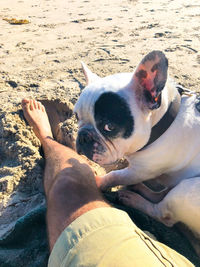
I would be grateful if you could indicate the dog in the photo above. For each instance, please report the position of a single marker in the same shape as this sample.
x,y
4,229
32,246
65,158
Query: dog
x,y
142,117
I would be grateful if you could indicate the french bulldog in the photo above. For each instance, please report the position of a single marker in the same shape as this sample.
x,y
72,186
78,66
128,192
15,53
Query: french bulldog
x,y
142,117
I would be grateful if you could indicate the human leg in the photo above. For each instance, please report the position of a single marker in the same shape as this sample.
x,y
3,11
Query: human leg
x,y
69,182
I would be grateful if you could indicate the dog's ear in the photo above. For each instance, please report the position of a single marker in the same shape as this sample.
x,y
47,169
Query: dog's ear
x,y
89,76
149,79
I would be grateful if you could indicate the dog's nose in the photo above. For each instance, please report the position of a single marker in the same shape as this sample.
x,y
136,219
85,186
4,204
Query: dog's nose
x,y
84,138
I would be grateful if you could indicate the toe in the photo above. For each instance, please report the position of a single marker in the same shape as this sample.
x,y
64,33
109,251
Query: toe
x,y
35,104
31,104
25,101
38,105
42,107
25,105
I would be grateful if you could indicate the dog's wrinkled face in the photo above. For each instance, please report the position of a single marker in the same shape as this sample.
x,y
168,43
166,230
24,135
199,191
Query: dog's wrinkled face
x,y
104,116
112,121
114,112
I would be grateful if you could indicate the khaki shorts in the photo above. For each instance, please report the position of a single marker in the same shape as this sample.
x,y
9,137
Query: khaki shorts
x,y
107,237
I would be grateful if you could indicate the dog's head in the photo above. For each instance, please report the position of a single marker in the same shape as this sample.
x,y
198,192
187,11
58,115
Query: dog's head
x,y
114,113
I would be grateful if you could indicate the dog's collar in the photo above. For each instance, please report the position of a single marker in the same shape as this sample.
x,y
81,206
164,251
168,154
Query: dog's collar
x,y
164,123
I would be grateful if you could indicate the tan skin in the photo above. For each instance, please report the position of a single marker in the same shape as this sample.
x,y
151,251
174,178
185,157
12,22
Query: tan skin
x,y
69,182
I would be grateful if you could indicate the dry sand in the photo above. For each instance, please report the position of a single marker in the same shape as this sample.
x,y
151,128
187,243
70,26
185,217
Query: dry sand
x,y
42,59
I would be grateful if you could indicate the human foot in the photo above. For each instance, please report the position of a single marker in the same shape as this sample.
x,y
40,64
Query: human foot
x,y
36,116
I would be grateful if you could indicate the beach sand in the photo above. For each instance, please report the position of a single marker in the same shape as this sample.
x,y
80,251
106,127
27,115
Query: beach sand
x,y
41,60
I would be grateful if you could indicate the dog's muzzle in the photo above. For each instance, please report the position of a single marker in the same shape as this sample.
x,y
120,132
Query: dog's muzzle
x,y
88,142
84,139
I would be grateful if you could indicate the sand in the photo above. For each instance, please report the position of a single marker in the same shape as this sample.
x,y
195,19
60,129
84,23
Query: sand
x,y
41,60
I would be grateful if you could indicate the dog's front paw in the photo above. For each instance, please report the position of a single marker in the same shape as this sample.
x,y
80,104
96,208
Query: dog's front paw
x,y
130,199
100,181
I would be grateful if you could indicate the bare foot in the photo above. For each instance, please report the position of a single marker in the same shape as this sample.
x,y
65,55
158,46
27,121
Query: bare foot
x,y
36,116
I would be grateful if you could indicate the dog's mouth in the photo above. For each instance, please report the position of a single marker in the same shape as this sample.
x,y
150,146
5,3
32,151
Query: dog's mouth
x,y
104,160
96,147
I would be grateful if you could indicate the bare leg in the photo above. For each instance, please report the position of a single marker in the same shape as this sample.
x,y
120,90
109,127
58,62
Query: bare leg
x,y
69,182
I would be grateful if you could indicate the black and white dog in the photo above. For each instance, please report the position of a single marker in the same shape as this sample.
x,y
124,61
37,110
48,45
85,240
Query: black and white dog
x,y
142,117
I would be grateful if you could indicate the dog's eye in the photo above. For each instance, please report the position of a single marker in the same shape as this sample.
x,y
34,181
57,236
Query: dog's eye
x,y
109,127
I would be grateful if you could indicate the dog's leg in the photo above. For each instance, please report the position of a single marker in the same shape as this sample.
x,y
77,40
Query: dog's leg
x,y
149,194
124,176
134,200
114,178
181,204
